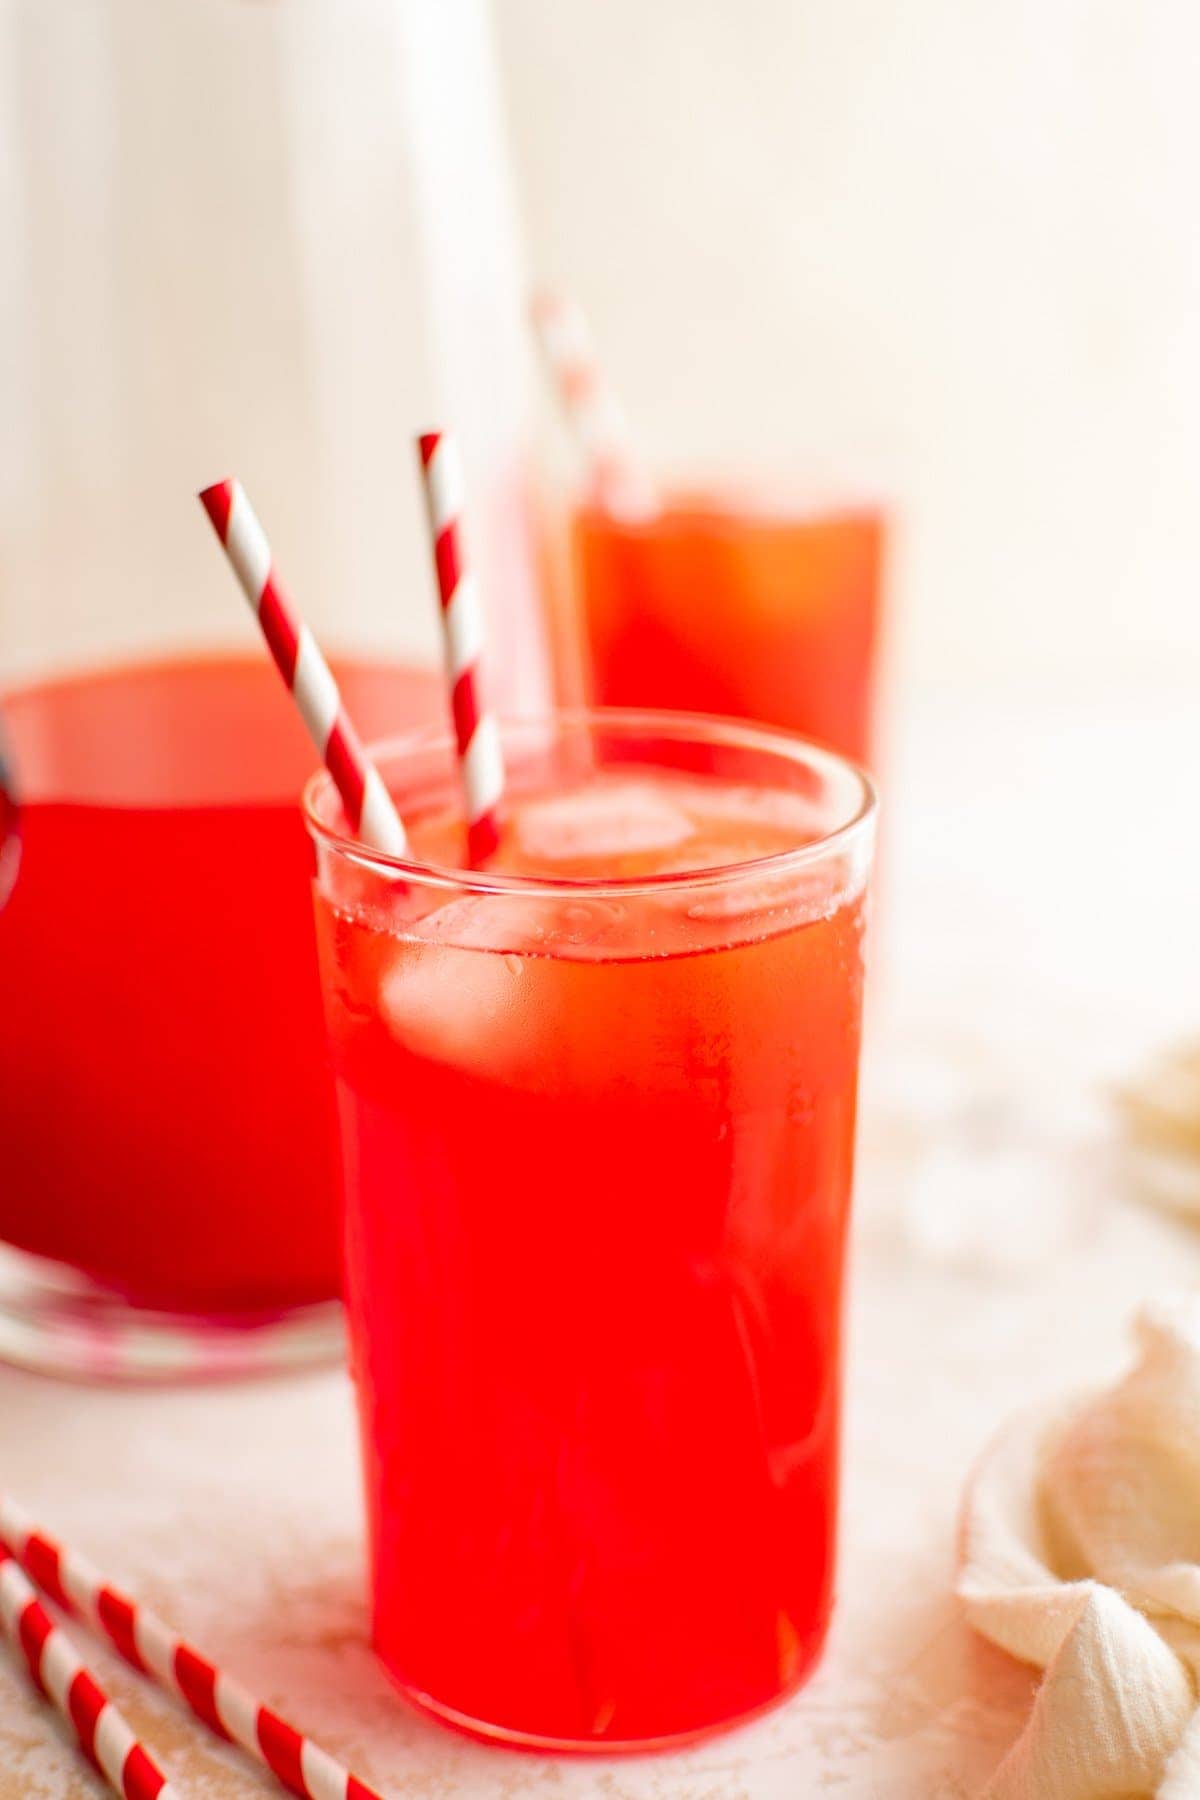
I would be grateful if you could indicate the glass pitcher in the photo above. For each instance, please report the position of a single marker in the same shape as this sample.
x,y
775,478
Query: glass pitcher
x,y
273,241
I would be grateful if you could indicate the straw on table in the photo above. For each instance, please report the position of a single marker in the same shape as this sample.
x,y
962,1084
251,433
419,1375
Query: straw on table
x,y
306,674
152,1648
593,412
480,760
55,1667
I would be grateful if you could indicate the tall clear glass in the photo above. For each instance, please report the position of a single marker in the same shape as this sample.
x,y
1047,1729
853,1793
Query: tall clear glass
x,y
597,1139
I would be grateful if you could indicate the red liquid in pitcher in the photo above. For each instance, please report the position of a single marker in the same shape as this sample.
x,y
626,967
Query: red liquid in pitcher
x,y
598,1158
164,1108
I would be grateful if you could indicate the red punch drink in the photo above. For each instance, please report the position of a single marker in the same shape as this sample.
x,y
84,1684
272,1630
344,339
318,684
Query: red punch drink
x,y
721,605
597,1111
163,1080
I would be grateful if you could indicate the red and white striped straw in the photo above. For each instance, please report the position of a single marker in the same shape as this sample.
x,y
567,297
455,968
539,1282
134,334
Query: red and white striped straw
x,y
306,674
480,760
151,1647
104,1737
593,412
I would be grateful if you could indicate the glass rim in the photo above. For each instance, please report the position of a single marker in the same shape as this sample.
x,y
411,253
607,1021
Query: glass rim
x,y
723,501
684,726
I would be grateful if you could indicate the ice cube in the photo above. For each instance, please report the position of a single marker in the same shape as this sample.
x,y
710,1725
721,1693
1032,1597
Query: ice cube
x,y
464,984
495,922
795,893
484,983
782,808
524,924
605,819
452,1004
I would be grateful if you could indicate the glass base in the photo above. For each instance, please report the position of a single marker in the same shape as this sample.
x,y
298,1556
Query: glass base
x,y
55,1321
485,1732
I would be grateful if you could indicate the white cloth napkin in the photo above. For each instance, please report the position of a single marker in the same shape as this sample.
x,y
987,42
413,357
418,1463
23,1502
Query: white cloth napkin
x,y
1081,1554
1161,1115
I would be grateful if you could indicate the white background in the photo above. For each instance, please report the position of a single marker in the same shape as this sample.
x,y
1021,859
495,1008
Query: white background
x,y
950,246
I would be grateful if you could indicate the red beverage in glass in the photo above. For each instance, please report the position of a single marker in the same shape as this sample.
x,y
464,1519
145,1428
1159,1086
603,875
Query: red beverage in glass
x,y
164,1103
597,1116
722,605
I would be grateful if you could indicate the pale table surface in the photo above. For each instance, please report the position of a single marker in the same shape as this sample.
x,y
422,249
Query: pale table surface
x,y
1036,941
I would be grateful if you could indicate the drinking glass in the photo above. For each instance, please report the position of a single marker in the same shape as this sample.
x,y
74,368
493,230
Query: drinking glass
x,y
597,1146
746,602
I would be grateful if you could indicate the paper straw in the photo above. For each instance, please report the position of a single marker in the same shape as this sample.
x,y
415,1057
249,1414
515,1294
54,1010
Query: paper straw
x,y
104,1737
305,672
480,760
593,412
151,1647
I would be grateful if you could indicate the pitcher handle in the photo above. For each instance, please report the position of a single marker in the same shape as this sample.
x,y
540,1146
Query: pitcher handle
x,y
10,820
